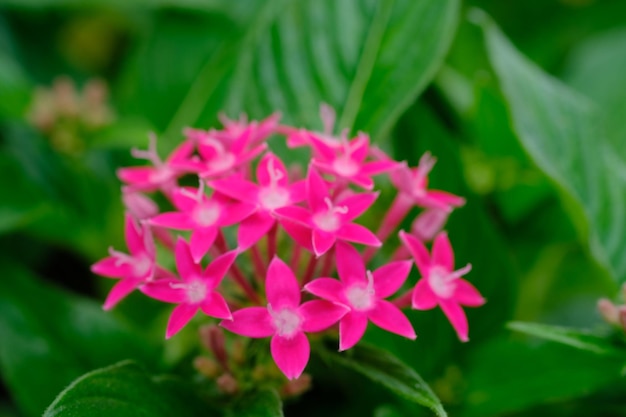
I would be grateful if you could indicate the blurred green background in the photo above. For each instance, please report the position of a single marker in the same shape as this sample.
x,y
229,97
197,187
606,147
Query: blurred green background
x,y
540,158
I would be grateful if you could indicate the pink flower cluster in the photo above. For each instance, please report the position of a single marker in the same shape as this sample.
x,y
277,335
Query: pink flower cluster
x,y
279,235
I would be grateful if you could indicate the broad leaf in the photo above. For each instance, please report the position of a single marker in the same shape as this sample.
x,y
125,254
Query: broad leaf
x,y
504,377
50,337
563,134
123,390
580,339
367,59
387,370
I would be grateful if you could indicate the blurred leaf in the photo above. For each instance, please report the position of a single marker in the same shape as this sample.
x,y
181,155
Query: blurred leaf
x,y
50,337
125,389
602,54
505,376
15,87
387,370
579,339
262,403
370,71
562,133
21,201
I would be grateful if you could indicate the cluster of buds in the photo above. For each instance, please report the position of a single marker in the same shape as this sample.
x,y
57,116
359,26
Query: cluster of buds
x,y
65,114
283,236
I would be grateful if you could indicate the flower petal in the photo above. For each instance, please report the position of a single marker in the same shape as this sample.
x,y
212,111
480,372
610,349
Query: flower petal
x,y
281,285
297,192
389,278
173,220
119,291
268,161
327,288
201,241
163,290
423,296
219,267
291,355
133,236
183,198
112,268
466,294
351,329
357,204
181,315
442,252
253,322
239,189
295,214
301,234
389,317
235,213
436,198
350,265
185,265
320,314
418,251
377,167
356,233
322,241
317,191
252,229
458,320
216,306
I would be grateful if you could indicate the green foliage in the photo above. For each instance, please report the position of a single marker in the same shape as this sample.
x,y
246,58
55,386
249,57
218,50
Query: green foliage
x,y
125,389
388,371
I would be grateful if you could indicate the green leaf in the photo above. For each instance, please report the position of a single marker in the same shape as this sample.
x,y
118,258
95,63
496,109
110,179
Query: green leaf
x,y
563,133
262,403
125,389
387,370
50,337
504,377
367,59
579,339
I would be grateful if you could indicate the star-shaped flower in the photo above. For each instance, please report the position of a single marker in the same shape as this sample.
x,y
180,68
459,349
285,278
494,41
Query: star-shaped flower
x,y
364,293
196,289
441,284
285,320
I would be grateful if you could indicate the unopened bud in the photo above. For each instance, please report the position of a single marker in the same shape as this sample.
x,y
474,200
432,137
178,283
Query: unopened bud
x,y
212,338
609,311
296,386
428,223
227,384
206,366
140,206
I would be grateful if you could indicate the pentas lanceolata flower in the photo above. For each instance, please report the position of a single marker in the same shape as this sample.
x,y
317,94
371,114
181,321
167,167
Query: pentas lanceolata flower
x,y
269,250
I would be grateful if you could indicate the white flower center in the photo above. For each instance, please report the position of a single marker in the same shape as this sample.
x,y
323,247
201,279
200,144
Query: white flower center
x,y
141,266
222,162
361,297
346,167
272,197
206,214
329,220
442,282
196,291
286,321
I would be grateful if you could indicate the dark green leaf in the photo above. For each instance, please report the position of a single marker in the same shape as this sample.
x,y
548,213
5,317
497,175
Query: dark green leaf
x,y
579,339
563,133
50,337
262,403
383,368
123,390
503,377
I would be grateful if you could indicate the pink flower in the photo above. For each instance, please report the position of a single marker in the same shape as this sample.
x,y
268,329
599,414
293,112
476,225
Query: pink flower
x,y
363,292
440,284
161,175
348,161
132,269
328,221
196,290
203,215
413,184
285,319
274,192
